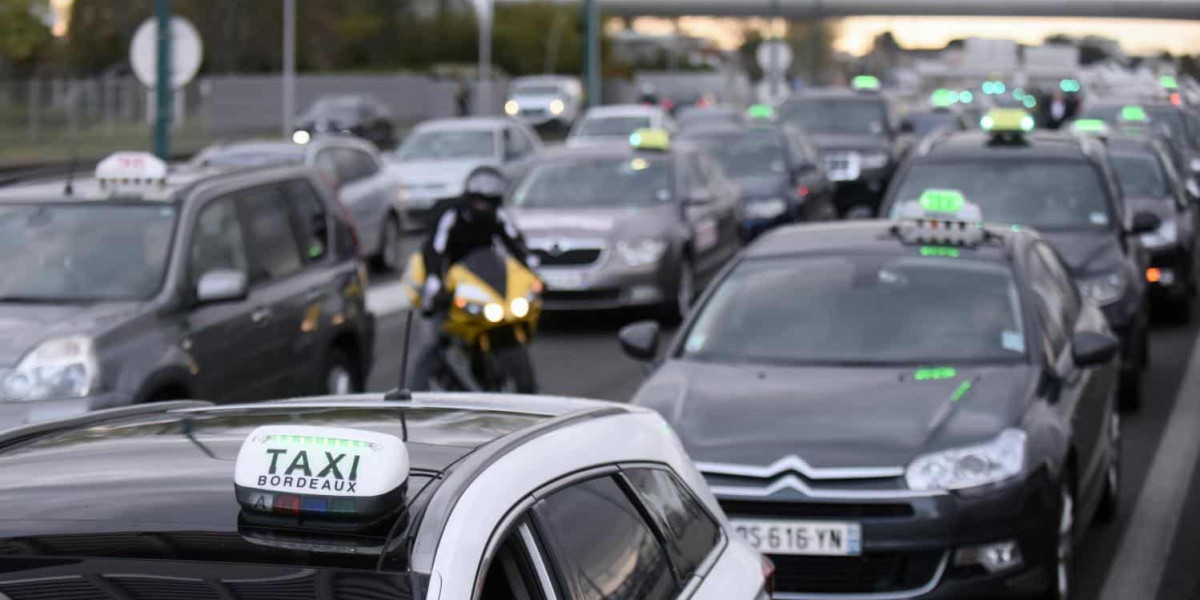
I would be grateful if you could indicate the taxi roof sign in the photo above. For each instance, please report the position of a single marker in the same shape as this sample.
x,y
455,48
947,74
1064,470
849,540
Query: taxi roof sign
x,y
1168,82
132,167
865,82
943,201
1133,114
943,98
761,111
1090,126
650,139
321,471
1007,120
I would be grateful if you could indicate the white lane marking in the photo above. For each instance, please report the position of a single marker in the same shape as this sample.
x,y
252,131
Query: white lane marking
x,y
387,299
1138,568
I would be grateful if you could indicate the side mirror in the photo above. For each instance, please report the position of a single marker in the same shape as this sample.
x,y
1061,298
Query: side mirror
x,y
640,340
1090,349
221,286
700,197
1144,222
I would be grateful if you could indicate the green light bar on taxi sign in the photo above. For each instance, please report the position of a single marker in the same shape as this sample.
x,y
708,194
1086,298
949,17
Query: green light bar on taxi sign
x,y
1011,120
1168,82
1133,114
1069,85
939,251
865,82
1090,126
943,98
761,111
650,139
942,201
309,440
935,373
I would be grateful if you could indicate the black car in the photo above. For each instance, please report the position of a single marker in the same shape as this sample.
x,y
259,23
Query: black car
x,y
860,136
1151,184
780,173
1064,186
905,409
1178,124
361,116
144,284
925,122
704,116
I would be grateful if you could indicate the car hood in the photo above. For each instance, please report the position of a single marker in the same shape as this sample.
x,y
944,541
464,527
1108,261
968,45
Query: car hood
x,y
535,100
447,173
831,417
762,187
1087,252
24,326
827,142
591,222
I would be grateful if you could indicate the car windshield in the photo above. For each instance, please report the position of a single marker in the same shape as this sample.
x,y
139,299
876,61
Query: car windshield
x,y
239,157
1140,174
861,310
83,252
597,183
537,90
1052,195
335,108
925,123
836,116
1165,116
749,155
448,145
612,126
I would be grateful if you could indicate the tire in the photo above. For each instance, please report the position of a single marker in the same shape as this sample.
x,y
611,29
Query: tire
x,y
685,293
1064,552
1179,309
514,370
391,238
1130,386
1111,500
340,375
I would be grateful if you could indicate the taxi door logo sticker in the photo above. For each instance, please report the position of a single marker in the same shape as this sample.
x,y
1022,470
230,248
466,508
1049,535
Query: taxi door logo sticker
x,y
338,472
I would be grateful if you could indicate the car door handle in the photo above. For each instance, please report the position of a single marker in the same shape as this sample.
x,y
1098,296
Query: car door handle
x,y
260,314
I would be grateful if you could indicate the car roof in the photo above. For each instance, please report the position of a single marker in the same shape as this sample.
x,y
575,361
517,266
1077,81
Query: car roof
x,y
554,79
866,237
180,180
613,149
464,123
623,110
834,93
974,145
109,481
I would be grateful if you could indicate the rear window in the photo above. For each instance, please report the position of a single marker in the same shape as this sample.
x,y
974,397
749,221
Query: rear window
x,y
1140,174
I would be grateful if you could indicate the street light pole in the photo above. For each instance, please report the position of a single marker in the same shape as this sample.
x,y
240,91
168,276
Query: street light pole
x,y
164,101
775,74
289,66
591,51
483,15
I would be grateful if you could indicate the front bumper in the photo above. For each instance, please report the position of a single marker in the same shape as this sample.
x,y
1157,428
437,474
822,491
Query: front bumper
x,y
16,414
609,287
909,545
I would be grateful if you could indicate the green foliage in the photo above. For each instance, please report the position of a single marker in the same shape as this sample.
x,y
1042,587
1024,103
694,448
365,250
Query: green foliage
x,y
525,34
22,34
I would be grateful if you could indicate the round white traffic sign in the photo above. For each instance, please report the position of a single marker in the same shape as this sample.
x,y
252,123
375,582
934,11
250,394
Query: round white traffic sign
x,y
774,56
187,51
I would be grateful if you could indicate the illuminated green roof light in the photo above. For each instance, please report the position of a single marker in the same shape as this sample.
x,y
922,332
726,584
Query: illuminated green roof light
x,y
761,111
1133,114
1018,94
935,373
1168,82
966,97
1090,126
1029,101
865,82
961,391
1069,86
939,251
943,98
942,201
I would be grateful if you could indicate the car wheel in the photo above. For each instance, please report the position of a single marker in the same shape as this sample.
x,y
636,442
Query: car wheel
x,y
390,245
514,370
1064,551
1110,502
340,375
685,292
1179,309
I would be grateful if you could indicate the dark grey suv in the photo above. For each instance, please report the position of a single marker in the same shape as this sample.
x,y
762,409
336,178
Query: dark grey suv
x,y
144,284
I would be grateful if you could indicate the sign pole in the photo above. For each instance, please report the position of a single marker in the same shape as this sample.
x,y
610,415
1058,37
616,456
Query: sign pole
x,y
591,51
164,101
483,10
289,66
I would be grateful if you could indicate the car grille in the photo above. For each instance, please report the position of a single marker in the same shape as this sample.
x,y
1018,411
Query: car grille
x,y
570,258
871,573
533,112
815,510
843,166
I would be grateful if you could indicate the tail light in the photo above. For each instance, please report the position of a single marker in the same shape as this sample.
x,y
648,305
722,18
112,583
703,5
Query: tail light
x,y
802,191
1176,99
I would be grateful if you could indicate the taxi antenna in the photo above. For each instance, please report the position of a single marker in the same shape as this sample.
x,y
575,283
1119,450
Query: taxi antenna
x,y
402,392
69,188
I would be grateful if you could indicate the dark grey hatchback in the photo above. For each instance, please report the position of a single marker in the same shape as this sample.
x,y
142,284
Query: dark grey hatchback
x,y
899,410
146,284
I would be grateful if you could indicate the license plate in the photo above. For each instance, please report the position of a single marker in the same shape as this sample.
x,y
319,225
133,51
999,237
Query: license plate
x,y
804,538
562,280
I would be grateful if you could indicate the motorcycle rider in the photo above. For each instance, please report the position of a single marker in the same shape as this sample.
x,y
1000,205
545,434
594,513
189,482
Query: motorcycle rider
x,y
462,226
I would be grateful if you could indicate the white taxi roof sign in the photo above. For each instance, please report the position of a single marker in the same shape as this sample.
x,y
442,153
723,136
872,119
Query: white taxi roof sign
x,y
298,469
132,167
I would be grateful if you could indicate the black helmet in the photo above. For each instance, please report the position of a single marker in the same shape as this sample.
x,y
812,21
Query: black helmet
x,y
486,183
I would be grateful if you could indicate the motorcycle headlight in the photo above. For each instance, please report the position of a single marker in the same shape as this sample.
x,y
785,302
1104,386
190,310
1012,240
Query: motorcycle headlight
x,y
960,468
876,160
61,368
1104,289
519,308
1165,235
493,312
511,108
639,253
557,107
765,209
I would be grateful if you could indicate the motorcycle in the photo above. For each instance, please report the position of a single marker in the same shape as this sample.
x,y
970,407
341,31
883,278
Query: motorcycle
x,y
494,306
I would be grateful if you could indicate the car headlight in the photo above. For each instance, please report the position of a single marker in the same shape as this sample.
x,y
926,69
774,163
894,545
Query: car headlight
x,y
1104,289
1195,164
639,253
511,108
58,369
557,107
960,468
1165,235
876,160
301,137
765,209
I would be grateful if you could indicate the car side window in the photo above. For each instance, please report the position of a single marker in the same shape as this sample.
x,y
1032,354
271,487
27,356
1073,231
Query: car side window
x,y
1049,305
347,165
327,164
217,241
511,574
690,531
366,164
603,547
311,218
515,144
269,227
1071,301
699,177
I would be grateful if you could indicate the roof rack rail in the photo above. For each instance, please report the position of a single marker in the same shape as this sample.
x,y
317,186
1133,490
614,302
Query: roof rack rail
x,y
18,434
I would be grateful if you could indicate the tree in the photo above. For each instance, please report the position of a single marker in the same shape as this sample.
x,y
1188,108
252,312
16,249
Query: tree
x,y
23,36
